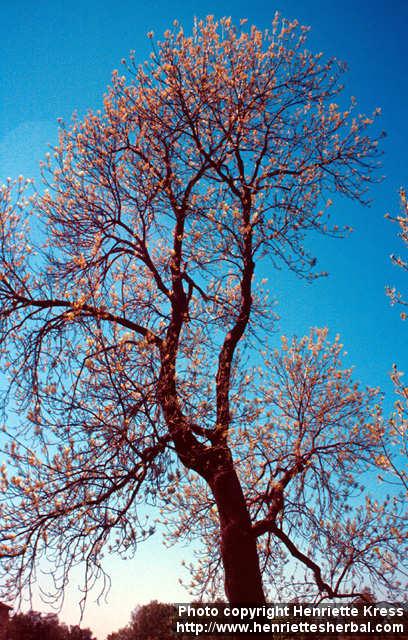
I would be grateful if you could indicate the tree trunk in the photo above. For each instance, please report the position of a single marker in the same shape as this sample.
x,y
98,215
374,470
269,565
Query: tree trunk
x,y
243,582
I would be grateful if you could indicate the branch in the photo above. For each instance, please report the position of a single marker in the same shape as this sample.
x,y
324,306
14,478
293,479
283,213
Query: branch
x,y
92,311
268,525
235,334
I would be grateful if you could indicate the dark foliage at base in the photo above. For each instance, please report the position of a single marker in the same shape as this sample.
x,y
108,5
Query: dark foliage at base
x,y
36,626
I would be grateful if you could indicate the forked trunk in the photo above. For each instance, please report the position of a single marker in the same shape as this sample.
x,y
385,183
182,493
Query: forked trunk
x,y
243,582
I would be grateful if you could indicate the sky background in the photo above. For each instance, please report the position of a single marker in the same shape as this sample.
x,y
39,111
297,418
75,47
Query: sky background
x,y
57,58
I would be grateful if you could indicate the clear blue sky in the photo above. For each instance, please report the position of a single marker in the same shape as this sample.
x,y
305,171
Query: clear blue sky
x,y
57,58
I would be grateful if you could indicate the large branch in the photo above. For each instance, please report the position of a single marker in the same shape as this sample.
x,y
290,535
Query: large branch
x,y
192,453
88,310
270,526
223,378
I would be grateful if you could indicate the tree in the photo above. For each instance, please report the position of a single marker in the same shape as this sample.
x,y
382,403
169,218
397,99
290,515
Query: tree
x,y
399,419
35,626
402,220
121,634
154,621
132,317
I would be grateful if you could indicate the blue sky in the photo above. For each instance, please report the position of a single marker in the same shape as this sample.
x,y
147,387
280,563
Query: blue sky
x,y
57,58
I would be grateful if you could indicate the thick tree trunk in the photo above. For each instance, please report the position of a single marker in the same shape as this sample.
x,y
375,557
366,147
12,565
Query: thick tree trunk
x,y
243,582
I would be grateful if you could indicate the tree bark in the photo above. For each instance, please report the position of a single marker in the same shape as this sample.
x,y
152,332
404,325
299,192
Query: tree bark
x,y
243,581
